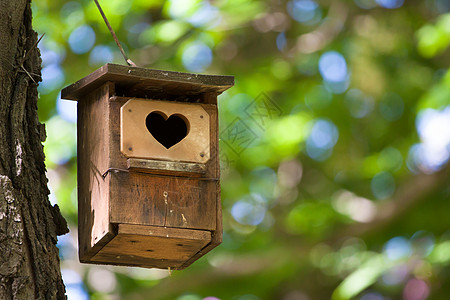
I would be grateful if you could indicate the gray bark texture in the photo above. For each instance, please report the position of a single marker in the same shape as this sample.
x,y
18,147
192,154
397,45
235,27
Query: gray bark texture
x,y
29,225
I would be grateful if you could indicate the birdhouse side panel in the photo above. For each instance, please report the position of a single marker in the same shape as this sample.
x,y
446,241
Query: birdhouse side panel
x,y
93,189
213,166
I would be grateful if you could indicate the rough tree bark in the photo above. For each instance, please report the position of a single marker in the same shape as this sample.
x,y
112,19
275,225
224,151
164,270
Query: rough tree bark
x,y
29,225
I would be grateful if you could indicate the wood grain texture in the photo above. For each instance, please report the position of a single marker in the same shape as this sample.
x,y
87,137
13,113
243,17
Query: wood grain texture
x,y
115,212
191,203
136,140
29,224
93,159
168,232
166,167
147,199
150,246
148,83
214,170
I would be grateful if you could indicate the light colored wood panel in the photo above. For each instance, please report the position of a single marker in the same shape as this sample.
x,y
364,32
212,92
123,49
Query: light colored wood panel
x,y
136,140
117,158
170,167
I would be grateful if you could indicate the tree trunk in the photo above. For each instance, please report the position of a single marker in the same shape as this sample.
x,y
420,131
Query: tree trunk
x,y
29,225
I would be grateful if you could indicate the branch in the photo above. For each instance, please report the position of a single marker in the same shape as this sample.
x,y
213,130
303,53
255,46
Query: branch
x,y
408,195
316,40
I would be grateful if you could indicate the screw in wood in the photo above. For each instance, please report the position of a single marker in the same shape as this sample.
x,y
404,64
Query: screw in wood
x,y
202,154
130,149
201,116
129,110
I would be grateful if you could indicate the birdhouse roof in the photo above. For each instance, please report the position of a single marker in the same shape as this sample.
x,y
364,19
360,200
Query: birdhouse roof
x,y
140,81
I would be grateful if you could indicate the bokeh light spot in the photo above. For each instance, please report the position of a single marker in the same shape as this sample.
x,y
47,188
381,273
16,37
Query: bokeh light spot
x,y
433,129
74,285
372,296
358,104
206,14
197,57
263,181
357,208
60,145
100,55
52,78
182,8
383,185
52,53
304,11
390,3
67,109
82,39
395,275
397,248
168,31
102,280
72,14
416,289
333,67
281,41
189,297
422,243
390,159
290,173
391,107
324,135
366,4
250,210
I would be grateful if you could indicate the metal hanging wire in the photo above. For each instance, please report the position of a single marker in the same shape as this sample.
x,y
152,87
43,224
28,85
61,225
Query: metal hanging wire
x,y
127,60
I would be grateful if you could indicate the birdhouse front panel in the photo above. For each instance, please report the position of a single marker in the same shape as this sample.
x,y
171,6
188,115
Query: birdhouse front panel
x,y
164,131
148,167
172,198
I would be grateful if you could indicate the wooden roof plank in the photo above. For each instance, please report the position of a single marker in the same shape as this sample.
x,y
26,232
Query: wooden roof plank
x,y
175,83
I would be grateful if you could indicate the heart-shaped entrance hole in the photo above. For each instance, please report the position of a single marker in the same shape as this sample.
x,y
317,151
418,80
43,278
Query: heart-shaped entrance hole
x,y
167,131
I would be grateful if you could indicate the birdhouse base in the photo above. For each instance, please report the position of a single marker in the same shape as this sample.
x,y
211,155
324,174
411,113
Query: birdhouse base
x,y
151,247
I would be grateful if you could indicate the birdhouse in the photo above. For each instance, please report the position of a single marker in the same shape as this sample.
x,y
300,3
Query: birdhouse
x,y
148,166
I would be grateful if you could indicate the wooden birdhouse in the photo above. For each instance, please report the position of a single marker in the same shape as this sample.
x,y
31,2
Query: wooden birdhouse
x,y
148,166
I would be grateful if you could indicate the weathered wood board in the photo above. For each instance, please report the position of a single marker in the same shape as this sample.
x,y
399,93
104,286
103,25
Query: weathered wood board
x,y
156,84
150,246
166,167
94,226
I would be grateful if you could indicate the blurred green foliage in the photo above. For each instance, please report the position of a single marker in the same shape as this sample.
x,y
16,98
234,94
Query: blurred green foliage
x,y
335,142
